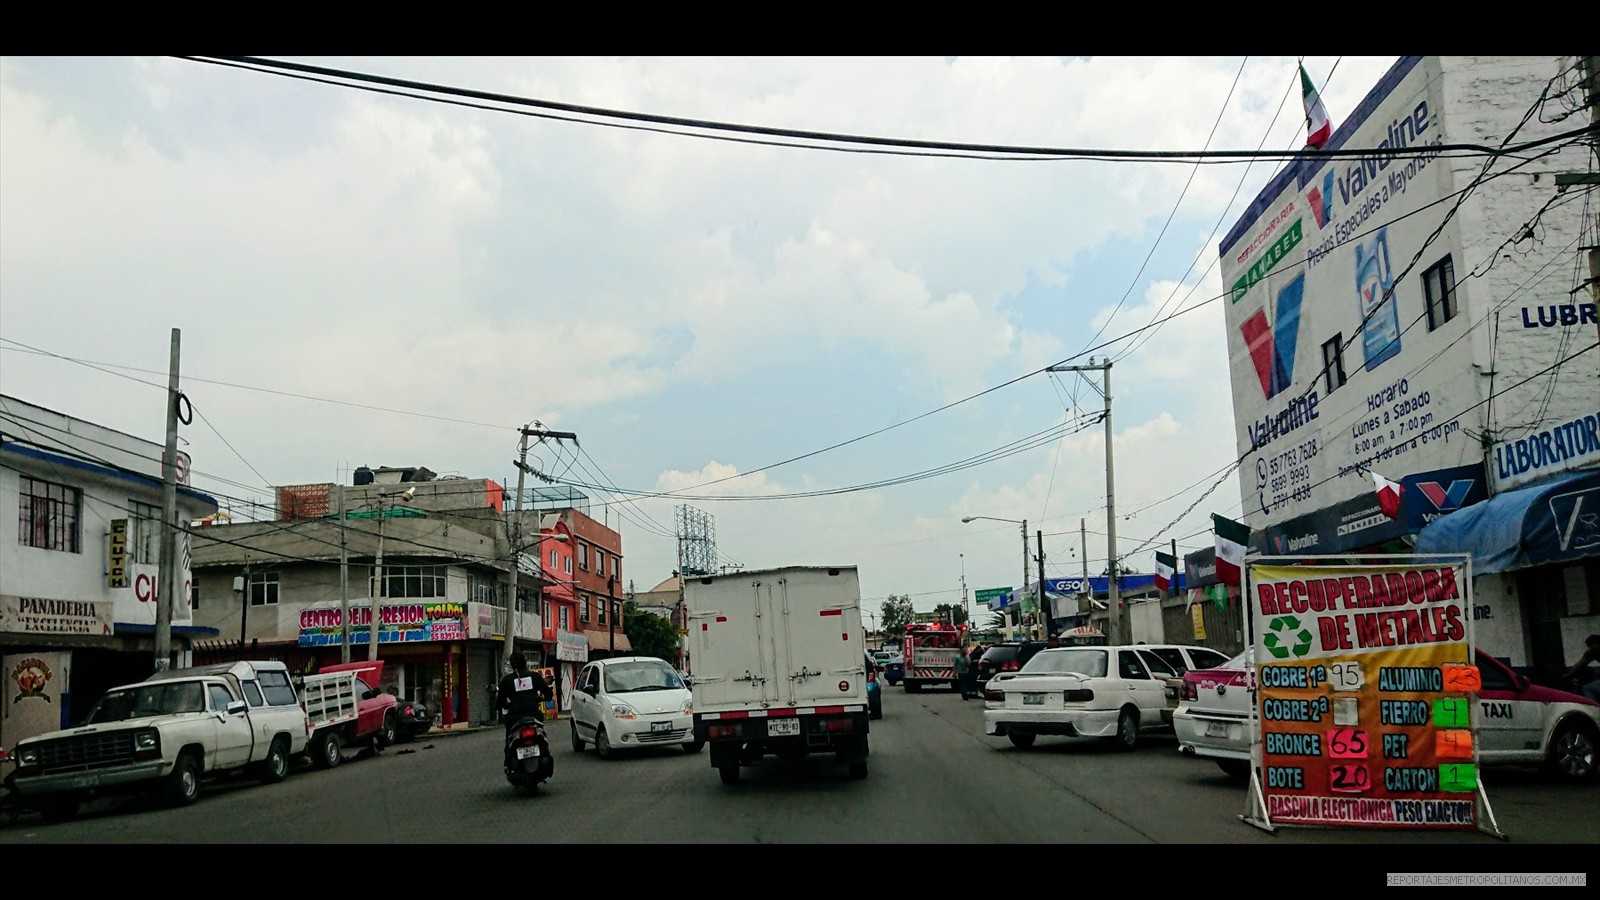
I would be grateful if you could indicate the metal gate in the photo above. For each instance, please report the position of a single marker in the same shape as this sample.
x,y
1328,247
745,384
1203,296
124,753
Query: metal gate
x,y
480,681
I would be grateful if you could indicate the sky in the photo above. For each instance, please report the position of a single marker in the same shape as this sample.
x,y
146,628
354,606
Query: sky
x,y
366,279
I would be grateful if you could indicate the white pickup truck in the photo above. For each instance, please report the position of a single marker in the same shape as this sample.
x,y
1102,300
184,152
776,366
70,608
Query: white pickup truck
x,y
779,666
163,735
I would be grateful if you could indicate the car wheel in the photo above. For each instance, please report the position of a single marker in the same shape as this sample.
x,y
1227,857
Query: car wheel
x,y
329,751
63,809
577,742
275,767
729,774
183,785
1237,769
1022,741
1572,752
391,728
602,744
1128,729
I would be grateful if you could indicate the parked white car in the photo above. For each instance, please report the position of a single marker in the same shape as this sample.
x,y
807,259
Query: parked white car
x,y
1106,692
632,702
1519,723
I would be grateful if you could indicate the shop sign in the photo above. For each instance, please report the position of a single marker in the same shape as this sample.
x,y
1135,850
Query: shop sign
x,y
572,646
118,575
399,623
38,615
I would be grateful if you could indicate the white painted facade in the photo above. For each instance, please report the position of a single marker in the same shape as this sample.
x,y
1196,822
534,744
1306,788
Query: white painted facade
x,y
109,472
1415,398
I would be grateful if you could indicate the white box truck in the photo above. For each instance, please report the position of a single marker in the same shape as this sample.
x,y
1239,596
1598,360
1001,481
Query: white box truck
x,y
779,662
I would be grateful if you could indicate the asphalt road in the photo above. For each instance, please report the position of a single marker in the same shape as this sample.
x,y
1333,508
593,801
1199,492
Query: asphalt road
x,y
935,778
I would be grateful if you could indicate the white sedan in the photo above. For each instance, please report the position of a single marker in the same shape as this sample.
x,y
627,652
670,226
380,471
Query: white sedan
x,y
632,702
1106,692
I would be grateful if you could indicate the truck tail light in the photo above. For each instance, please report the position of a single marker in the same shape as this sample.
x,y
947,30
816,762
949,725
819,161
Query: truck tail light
x,y
1188,691
1081,695
840,725
724,731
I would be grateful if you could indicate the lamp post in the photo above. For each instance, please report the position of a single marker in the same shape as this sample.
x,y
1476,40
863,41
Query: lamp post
x,y
377,571
1024,523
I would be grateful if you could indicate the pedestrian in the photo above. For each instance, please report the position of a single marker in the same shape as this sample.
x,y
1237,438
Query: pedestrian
x,y
964,675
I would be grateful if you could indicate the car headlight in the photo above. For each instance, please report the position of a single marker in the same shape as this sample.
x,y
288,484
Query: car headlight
x,y
623,711
27,756
688,707
146,740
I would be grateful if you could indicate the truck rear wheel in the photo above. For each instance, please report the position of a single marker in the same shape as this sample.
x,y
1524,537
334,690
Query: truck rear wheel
x,y
329,750
913,687
275,767
729,774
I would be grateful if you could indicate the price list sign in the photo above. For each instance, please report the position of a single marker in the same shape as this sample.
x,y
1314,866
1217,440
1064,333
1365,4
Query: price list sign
x,y
1365,695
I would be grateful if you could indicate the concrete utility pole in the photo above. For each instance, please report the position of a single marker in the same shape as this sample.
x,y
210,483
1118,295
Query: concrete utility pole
x,y
1083,550
611,598
344,581
1022,586
167,584
1589,67
377,589
1044,604
514,540
965,604
1114,603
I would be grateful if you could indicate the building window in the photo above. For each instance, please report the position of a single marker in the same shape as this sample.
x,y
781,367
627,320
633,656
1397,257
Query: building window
x,y
1333,363
486,589
194,596
544,615
616,611
600,609
414,581
263,588
555,561
566,564
583,608
599,561
144,533
565,623
48,515
583,556
1439,289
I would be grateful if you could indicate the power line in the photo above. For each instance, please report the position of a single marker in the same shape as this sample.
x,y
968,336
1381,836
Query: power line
x,y
363,81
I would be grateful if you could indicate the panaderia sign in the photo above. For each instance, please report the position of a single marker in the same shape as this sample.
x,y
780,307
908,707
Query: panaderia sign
x,y
43,616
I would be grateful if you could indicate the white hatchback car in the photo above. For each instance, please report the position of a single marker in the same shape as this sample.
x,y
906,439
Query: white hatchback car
x,y
632,702
1107,692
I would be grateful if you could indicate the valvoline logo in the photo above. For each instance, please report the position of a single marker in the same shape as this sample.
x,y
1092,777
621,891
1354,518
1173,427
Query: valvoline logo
x,y
1321,199
1446,499
1272,347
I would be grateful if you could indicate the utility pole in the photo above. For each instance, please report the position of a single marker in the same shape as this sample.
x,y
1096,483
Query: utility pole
x,y
1113,601
965,604
1083,551
513,605
244,606
1044,608
1022,586
1589,66
611,595
167,581
344,580
1172,589
377,588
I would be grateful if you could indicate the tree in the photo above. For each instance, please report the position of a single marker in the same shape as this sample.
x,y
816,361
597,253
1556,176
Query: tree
x,y
953,613
897,614
650,634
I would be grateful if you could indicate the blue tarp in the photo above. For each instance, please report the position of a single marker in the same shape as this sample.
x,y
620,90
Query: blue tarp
x,y
1554,521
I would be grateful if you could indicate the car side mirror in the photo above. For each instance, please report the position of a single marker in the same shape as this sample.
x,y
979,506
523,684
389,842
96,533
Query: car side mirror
x,y
369,694
237,708
1522,682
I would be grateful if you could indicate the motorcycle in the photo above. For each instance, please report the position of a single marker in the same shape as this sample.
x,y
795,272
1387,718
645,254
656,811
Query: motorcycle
x,y
528,761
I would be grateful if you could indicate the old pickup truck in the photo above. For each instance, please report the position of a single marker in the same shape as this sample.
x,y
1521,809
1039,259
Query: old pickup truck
x,y
164,735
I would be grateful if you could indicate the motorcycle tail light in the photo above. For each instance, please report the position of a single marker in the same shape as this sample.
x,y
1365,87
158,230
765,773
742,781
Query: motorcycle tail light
x,y
529,733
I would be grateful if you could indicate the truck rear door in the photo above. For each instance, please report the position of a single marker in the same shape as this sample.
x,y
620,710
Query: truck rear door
x,y
730,620
818,646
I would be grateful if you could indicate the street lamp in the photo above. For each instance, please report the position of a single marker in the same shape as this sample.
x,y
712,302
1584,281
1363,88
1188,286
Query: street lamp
x,y
377,589
967,520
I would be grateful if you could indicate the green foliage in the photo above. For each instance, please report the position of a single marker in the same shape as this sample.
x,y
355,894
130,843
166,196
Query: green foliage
x,y
953,613
650,634
897,613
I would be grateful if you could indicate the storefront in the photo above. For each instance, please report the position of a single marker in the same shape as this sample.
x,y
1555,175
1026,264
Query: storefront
x,y
1536,569
424,646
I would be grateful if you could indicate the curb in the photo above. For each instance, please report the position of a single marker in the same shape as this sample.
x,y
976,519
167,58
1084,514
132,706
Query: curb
x,y
456,732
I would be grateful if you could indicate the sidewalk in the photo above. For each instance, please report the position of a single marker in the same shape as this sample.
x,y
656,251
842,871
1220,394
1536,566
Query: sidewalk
x,y
459,729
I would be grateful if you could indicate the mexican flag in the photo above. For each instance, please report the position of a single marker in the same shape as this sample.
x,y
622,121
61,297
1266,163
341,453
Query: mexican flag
x,y
1318,128
1166,567
1218,593
1232,539
1389,494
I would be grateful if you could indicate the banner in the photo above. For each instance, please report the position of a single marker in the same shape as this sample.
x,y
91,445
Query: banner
x,y
38,615
1365,692
399,623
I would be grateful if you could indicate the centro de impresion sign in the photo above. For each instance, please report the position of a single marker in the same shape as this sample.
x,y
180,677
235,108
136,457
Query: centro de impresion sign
x,y
398,623
1365,689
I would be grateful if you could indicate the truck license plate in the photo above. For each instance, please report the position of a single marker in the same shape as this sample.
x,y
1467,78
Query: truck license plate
x,y
1217,729
527,752
656,727
779,727
86,781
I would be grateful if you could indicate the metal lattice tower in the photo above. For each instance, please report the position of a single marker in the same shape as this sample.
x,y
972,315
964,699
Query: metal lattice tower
x,y
697,541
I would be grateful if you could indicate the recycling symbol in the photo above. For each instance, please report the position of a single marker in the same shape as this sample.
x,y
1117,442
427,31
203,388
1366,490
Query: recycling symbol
x,y
1281,631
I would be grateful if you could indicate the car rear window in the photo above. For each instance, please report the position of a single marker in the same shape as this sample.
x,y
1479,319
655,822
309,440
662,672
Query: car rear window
x,y
998,655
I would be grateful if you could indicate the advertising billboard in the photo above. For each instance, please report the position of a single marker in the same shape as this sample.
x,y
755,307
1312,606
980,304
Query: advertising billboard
x,y
399,623
1335,368
1365,694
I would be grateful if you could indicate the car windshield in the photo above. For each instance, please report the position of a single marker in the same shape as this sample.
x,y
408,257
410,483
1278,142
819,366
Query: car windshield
x,y
1075,661
627,678
1238,662
151,700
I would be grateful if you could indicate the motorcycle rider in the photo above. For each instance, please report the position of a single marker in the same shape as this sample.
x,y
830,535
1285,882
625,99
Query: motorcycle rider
x,y
1579,670
522,693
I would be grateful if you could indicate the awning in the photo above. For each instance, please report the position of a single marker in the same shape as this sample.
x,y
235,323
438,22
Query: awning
x,y
184,631
1554,521
601,640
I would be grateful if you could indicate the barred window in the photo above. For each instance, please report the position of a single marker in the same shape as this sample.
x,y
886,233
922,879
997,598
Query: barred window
x,y
49,515
144,533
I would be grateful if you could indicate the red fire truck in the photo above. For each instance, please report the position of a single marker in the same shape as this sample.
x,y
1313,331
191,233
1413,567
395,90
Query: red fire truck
x,y
931,649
